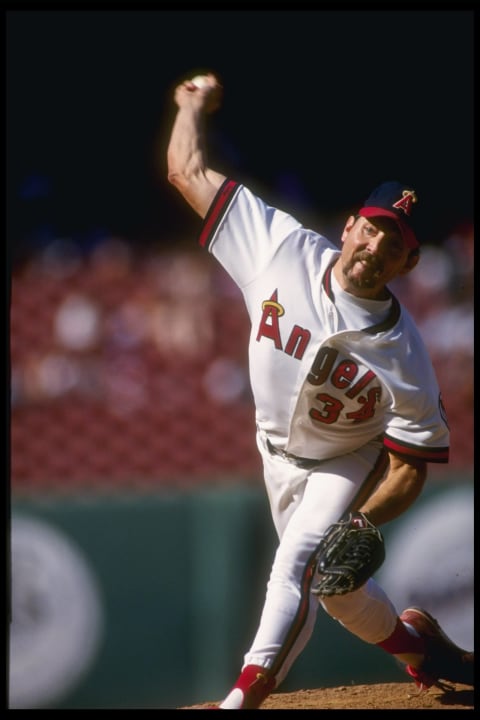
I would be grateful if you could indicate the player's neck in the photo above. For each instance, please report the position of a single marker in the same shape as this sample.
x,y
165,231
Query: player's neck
x,y
365,293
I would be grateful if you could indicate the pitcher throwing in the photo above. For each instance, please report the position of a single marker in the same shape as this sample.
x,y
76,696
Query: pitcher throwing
x,y
348,408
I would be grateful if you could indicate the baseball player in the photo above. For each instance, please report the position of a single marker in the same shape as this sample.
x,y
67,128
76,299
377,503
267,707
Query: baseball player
x,y
348,409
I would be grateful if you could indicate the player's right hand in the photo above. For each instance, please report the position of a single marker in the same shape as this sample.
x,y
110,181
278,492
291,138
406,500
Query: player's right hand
x,y
206,98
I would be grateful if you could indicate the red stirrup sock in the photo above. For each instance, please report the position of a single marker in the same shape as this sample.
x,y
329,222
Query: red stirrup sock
x,y
403,641
250,690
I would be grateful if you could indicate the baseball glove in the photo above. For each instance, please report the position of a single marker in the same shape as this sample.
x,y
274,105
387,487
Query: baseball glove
x,y
350,552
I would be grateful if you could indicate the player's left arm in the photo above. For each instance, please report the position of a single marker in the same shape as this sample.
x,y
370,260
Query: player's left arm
x,y
399,489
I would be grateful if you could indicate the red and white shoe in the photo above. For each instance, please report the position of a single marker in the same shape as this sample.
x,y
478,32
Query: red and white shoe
x,y
443,661
253,685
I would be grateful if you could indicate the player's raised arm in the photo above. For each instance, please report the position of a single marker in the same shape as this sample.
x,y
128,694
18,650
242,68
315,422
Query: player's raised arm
x,y
186,154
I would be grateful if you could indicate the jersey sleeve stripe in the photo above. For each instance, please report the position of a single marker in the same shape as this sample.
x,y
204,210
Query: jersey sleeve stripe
x,y
216,211
437,455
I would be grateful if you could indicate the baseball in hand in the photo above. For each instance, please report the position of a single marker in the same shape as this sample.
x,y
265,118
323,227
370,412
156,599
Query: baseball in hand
x,y
213,96
200,81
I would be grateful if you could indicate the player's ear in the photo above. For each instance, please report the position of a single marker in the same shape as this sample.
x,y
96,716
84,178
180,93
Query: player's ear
x,y
348,226
411,262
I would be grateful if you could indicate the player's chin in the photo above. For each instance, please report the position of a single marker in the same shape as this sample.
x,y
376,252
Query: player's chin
x,y
365,280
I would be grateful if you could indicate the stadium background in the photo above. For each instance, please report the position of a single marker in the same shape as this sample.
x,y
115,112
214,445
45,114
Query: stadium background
x,y
140,536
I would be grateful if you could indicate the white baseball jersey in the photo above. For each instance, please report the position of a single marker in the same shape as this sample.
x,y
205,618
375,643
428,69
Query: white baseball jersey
x,y
329,372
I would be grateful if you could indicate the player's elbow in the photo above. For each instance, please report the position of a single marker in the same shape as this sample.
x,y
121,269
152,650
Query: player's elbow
x,y
196,194
179,168
176,179
181,181
176,171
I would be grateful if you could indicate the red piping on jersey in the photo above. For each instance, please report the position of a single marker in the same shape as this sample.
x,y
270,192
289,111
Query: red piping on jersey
x,y
367,487
216,210
438,455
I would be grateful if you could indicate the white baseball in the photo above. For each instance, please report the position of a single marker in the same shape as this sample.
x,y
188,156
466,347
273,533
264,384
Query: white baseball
x,y
200,81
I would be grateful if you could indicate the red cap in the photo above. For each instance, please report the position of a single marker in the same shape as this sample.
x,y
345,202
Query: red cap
x,y
395,201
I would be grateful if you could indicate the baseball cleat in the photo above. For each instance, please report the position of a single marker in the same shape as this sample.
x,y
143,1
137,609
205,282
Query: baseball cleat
x,y
443,661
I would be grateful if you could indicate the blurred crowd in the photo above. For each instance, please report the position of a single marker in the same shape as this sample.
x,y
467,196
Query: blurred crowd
x,y
129,364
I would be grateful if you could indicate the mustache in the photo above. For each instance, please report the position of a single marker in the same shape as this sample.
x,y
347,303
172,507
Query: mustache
x,y
369,260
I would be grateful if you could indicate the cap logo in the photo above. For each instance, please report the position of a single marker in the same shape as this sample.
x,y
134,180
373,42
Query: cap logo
x,y
406,201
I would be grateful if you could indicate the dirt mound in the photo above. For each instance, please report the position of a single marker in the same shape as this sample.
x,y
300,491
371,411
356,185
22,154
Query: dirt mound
x,y
386,696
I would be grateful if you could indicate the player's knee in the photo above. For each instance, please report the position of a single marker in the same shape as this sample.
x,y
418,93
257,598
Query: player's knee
x,y
341,607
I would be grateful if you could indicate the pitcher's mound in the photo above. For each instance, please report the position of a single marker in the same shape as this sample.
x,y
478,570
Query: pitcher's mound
x,y
385,696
